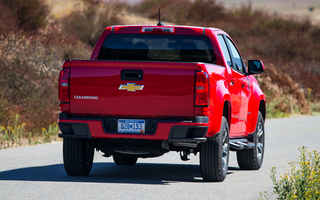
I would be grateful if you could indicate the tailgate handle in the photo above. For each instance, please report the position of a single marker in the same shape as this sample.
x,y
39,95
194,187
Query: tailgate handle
x,y
131,75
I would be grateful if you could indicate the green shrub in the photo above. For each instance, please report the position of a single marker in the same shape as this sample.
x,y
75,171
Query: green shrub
x,y
16,135
315,107
278,107
302,181
12,135
50,133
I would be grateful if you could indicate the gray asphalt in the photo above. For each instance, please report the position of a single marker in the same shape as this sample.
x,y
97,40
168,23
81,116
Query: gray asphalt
x,y
36,172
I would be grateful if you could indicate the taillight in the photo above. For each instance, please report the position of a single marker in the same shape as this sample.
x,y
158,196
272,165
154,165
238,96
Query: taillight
x,y
64,82
202,89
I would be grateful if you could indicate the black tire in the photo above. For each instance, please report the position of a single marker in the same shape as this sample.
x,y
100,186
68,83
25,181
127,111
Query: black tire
x,y
214,155
251,159
124,159
77,157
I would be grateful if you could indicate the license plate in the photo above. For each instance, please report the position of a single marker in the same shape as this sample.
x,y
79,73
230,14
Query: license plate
x,y
131,126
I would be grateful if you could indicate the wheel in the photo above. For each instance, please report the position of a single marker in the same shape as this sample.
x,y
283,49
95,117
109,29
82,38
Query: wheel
x,y
77,157
124,159
251,159
214,155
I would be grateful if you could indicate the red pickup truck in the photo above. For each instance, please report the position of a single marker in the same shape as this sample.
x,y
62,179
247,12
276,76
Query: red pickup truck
x,y
148,90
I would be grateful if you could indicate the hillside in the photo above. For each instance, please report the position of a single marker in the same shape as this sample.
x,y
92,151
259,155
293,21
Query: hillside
x,y
283,7
276,7
34,44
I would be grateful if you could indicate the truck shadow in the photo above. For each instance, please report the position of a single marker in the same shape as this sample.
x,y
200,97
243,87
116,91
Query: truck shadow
x,y
141,173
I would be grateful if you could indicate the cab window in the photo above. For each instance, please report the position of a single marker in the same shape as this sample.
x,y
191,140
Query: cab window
x,y
238,63
224,50
157,47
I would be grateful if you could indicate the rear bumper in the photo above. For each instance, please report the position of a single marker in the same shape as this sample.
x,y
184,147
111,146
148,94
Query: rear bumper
x,y
167,130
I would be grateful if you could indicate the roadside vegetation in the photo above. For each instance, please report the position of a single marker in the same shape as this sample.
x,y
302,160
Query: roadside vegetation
x,y
86,22
302,181
16,135
31,53
34,44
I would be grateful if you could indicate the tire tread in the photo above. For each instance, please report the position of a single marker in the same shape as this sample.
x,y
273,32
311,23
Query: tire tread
x,y
247,159
210,159
74,157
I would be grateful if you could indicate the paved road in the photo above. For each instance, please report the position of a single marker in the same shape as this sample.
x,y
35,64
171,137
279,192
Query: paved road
x,y
36,172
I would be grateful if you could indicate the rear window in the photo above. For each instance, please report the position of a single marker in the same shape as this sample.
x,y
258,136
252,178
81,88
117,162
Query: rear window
x,y
180,48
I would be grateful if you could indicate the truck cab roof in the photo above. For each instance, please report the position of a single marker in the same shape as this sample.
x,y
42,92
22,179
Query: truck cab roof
x,y
168,29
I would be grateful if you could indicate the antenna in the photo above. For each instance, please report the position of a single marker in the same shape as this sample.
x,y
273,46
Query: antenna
x,y
160,23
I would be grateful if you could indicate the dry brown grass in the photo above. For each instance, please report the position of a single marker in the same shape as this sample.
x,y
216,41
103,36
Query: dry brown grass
x,y
30,15
62,8
282,8
87,22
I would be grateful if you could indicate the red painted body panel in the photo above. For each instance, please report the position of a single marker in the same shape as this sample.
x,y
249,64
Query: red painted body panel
x,y
245,93
218,94
254,103
169,90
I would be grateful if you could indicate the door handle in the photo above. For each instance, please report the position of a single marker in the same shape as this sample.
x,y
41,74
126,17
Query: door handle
x,y
243,83
131,75
232,81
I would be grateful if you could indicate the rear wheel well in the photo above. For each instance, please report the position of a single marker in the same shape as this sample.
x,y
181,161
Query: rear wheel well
x,y
227,111
262,108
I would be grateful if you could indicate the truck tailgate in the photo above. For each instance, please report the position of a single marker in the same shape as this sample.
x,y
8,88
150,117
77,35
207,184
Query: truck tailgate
x,y
165,89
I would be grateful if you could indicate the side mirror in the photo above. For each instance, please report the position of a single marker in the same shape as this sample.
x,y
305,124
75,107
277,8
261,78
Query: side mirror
x,y
255,67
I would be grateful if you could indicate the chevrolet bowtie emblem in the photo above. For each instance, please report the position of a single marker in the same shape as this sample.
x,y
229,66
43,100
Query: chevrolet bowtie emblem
x,y
131,87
